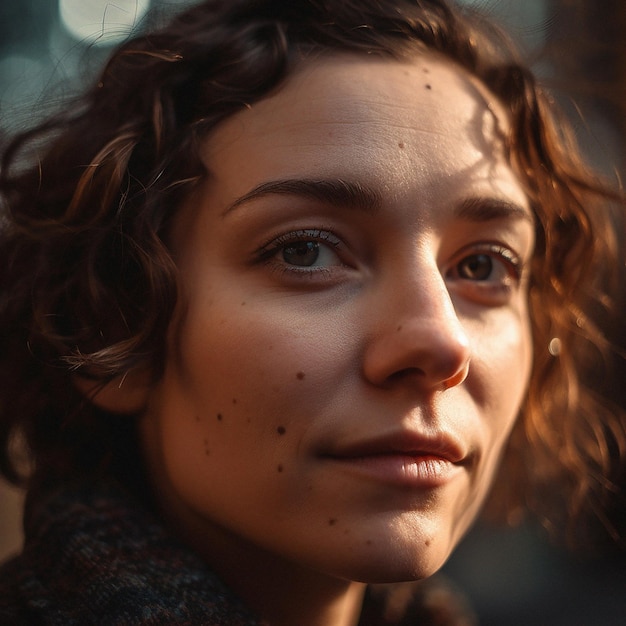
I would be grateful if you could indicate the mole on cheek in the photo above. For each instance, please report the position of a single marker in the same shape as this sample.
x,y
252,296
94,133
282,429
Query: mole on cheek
x,y
332,521
428,86
401,145
280,469
281,430
219,417
300,375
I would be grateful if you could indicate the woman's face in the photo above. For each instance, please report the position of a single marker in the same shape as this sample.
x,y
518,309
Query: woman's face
x,y
351,345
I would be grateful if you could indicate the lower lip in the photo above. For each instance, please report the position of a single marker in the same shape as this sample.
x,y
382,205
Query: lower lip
x,y
417,472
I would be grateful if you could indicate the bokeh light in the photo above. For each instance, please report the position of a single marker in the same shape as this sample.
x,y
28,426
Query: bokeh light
x,y
101,22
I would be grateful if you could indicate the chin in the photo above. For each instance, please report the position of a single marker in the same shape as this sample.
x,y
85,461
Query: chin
x,y
393,564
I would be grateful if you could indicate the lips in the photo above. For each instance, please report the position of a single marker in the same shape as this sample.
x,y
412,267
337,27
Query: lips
x,y
406,443
404,458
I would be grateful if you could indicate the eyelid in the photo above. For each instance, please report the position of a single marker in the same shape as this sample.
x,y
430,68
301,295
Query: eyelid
x,y
270,248
510,257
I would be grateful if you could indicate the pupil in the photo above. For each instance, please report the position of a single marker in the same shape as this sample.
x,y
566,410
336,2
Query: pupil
x,y
303,253
477,267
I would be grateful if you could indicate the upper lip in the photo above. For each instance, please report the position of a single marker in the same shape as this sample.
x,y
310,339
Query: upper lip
x,y
411,443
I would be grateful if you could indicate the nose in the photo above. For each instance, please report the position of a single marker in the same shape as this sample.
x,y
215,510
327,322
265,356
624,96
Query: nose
x,y
416,336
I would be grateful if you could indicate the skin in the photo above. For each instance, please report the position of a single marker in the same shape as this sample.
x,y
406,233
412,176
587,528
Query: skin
x,y
308,325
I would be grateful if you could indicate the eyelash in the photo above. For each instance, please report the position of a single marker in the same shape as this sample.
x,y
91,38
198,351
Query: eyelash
x,y
511,262
268,251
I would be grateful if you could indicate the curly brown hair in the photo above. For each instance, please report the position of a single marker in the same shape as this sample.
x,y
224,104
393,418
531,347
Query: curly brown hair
x,y
88,284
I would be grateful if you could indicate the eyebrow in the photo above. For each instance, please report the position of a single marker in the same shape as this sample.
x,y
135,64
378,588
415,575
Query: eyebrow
x,y
356,195
487,209
349,194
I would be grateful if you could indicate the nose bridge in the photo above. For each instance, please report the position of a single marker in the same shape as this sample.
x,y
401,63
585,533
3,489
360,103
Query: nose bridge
x,y
422,293
418,333
425,310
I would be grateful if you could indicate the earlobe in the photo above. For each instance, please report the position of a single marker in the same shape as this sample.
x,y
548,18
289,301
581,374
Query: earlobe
x,y
126,394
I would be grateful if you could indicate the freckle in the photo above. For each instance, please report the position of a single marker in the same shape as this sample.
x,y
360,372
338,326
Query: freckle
x,y
234,400
248,420
281,430
401,145
243,304
197,418
426,70
332,521
368,542
427,542
219,417
428,87
300,375
399,328
346,531
280,469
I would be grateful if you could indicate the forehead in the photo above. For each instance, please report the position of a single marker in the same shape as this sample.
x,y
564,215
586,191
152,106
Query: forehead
x,y
388,120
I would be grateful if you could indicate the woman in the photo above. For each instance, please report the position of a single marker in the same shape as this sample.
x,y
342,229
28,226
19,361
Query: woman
x,y
280,293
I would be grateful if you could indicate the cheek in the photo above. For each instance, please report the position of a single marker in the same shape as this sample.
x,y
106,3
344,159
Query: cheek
x,y
270,351
502,364
503,358
244,380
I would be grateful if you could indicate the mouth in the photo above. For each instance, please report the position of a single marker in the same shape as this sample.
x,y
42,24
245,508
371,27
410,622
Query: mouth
x,y
404,459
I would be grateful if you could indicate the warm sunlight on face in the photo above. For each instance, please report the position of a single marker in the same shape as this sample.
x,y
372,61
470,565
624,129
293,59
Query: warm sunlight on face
x,y
352,343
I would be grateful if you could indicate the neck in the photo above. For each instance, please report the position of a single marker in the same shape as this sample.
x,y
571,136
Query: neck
x,y
302,598
278,589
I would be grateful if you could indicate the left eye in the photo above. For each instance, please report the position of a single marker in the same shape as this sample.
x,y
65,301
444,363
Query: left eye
x,y
476,267
494,265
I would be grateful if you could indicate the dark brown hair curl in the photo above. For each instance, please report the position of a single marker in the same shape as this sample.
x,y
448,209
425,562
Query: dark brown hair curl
x,y
88,284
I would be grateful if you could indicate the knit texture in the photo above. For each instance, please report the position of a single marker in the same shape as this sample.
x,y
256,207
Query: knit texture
x,y
93,556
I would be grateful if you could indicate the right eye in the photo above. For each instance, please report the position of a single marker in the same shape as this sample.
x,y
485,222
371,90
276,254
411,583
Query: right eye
x,y
303,251
308,254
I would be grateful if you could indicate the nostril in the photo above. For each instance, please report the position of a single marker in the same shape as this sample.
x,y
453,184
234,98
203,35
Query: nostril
x,y
407,373
458,378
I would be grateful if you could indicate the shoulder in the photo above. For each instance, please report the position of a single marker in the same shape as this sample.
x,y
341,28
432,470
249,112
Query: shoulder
x,y
13,610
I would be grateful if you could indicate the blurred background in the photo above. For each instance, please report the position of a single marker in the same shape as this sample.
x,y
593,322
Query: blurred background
x,y
513,577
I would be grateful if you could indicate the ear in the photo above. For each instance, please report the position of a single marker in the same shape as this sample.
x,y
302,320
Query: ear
x,y
127,394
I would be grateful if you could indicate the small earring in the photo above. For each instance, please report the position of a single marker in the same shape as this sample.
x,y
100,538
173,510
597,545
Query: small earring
x,y
554,347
